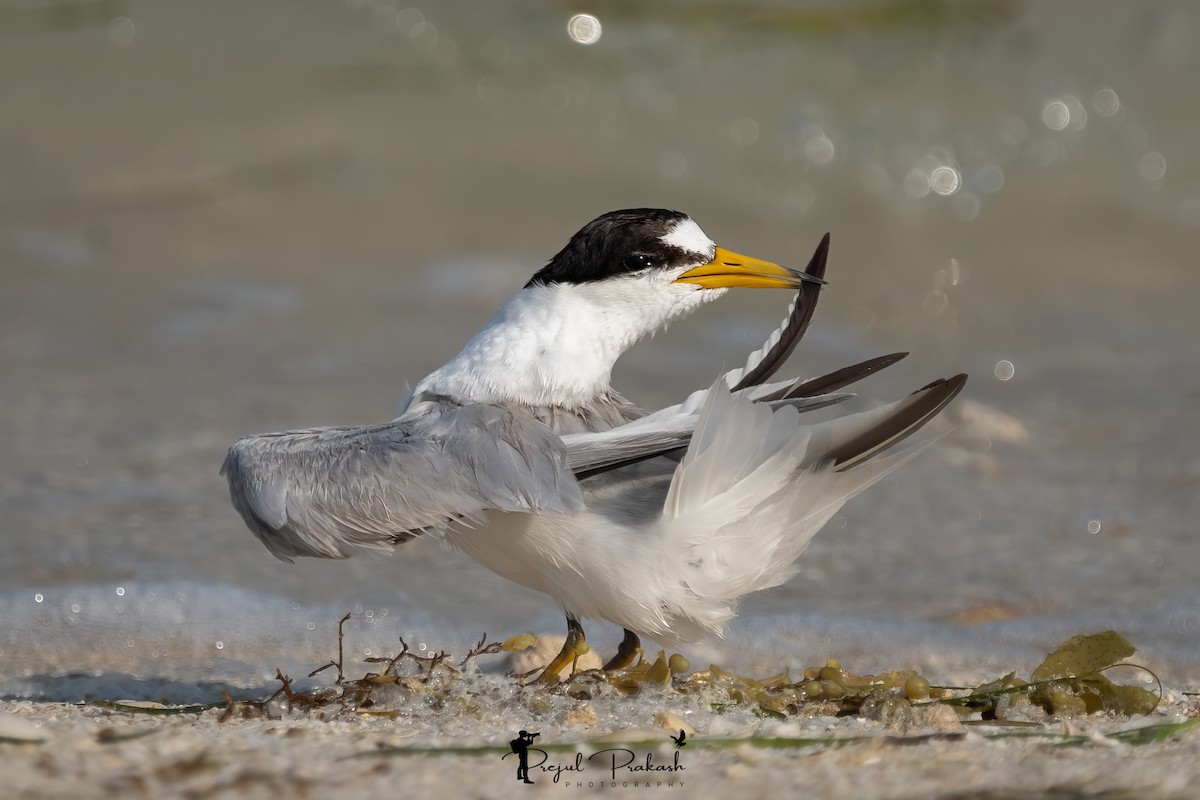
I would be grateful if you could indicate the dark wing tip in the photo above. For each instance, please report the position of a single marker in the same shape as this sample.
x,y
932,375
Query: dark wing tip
x,y
956,383
916,410
816,264
843,377
797,322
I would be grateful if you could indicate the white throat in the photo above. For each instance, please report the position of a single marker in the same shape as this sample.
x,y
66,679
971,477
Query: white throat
x,y
556,344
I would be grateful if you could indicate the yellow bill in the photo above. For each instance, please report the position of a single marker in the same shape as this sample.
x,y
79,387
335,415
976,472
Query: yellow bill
x,y
728,269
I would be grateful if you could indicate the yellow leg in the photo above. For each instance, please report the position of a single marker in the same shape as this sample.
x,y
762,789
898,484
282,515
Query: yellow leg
x,y
575,646
628,650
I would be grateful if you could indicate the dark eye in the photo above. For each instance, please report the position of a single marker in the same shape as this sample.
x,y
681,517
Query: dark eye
x,y
638,261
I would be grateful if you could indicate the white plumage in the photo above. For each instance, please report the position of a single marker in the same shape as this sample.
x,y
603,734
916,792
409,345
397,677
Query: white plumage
x,y
519,452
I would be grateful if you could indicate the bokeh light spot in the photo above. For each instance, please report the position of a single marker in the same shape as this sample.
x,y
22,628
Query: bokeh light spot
x,y
121,31
945,180
584,29
916,183
1105,102
1056,115
817,145
991,178
1153,166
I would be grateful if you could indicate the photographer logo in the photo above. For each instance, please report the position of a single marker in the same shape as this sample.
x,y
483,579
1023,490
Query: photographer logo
x,y
611,767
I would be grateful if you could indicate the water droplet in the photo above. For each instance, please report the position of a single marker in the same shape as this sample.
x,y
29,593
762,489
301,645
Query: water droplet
x,y
991,178
423,35
1055,115
954,272
421,647
916,183
1153,166
945,180
120,591
220,645
312,626
74,608
935,303
387,18
1094,526
129,642
409,21
121,31
488,90
1005,370
584,29
817,145
37,598
1105,102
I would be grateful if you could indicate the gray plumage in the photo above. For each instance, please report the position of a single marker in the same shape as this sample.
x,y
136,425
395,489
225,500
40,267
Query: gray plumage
x,y
521,454
345,491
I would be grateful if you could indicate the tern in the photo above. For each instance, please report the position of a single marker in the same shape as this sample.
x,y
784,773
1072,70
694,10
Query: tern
x,y
519,452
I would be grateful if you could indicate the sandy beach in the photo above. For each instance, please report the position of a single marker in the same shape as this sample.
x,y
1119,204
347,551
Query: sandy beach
x,y
92,752
224,218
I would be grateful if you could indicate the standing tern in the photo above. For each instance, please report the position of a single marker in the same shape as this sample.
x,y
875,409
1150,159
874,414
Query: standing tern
x,y
519,452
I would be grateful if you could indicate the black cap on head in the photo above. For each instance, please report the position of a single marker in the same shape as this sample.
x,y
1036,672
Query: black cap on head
x,y
616,243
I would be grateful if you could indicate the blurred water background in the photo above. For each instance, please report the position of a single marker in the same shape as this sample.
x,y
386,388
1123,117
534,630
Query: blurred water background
x,y
221,218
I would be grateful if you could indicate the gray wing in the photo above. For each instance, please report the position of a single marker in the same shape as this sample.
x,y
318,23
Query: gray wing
x,y
664,431
339,492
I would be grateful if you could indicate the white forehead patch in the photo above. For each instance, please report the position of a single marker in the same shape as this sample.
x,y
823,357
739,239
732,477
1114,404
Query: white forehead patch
x,y
687,235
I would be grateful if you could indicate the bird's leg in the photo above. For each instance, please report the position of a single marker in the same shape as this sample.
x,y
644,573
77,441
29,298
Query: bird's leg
x,y
575,646
625,653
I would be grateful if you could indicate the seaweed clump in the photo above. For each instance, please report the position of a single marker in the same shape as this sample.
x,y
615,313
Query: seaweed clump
x,y
1069,682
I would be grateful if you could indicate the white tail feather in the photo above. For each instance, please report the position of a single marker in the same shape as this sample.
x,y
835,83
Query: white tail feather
x,y
750,495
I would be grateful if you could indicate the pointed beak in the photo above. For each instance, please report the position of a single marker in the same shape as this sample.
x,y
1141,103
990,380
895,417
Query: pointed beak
x,y
729,269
